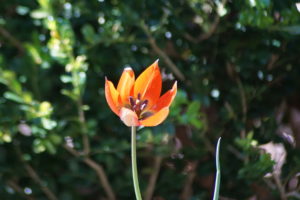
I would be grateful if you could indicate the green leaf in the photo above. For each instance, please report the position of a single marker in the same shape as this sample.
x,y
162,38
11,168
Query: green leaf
x,y
34,52
48,123
66,78
56,139
88,33
22,10
294,30
49,146
69,94
38,146
39,14
13,97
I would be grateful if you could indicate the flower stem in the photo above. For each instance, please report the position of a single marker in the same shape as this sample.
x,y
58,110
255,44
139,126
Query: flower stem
x,y
133,163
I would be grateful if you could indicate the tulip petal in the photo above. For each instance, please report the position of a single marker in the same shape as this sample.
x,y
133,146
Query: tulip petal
x,y
156,118
166,99
125,85
112,96
148,84
129,117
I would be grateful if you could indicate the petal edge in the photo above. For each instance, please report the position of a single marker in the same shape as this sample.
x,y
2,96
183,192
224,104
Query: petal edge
x,y
166,99
157,118
112,96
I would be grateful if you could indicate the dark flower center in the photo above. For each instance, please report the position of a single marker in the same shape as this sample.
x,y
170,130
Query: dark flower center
x,y
139,107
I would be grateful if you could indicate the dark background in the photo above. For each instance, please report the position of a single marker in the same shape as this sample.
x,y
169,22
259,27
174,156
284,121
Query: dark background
x,y
237,67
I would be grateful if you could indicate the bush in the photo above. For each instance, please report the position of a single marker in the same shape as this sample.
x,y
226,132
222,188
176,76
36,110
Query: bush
x,y
236,63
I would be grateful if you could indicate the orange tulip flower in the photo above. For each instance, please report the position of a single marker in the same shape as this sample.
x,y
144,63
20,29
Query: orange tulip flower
x,y
138,102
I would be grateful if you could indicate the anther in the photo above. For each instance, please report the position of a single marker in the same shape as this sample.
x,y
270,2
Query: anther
x,y
144,104
146,115
132,102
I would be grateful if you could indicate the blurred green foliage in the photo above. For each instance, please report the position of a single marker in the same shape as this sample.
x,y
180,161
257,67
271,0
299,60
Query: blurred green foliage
x,y
237,65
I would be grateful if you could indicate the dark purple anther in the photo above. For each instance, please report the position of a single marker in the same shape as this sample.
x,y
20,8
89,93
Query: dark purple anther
x,y
144,104
132,102
146,115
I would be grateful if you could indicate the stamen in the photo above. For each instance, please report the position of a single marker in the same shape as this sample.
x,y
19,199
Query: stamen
x,y
144,104
145,115
131,101
138,105
134,107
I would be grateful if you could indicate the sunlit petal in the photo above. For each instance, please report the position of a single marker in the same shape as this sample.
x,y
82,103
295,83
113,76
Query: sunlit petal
x,y
166,99
148,84
112,96
125,85
129,117
154,89
157,118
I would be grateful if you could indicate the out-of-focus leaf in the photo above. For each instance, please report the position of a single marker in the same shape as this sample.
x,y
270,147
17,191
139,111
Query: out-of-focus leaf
x,y
34,53
13,97
89,34
295,30
49,146
39,14
69,94
278,155
38,146
48,123
260,166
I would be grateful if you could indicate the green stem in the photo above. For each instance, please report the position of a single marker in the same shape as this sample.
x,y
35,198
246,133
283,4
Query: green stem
x,y
133,163
218,174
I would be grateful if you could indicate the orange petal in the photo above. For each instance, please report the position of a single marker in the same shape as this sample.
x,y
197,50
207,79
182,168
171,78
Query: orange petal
x,y
125,85
129,117
166,99
112,96
157,118
148,84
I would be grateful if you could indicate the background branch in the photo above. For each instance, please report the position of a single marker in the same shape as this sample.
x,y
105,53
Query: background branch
x,y
35,177
153,178
210,32
280,187
18,189
12,39
98,169
243,99
204,36
187,190
161,53
85,138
